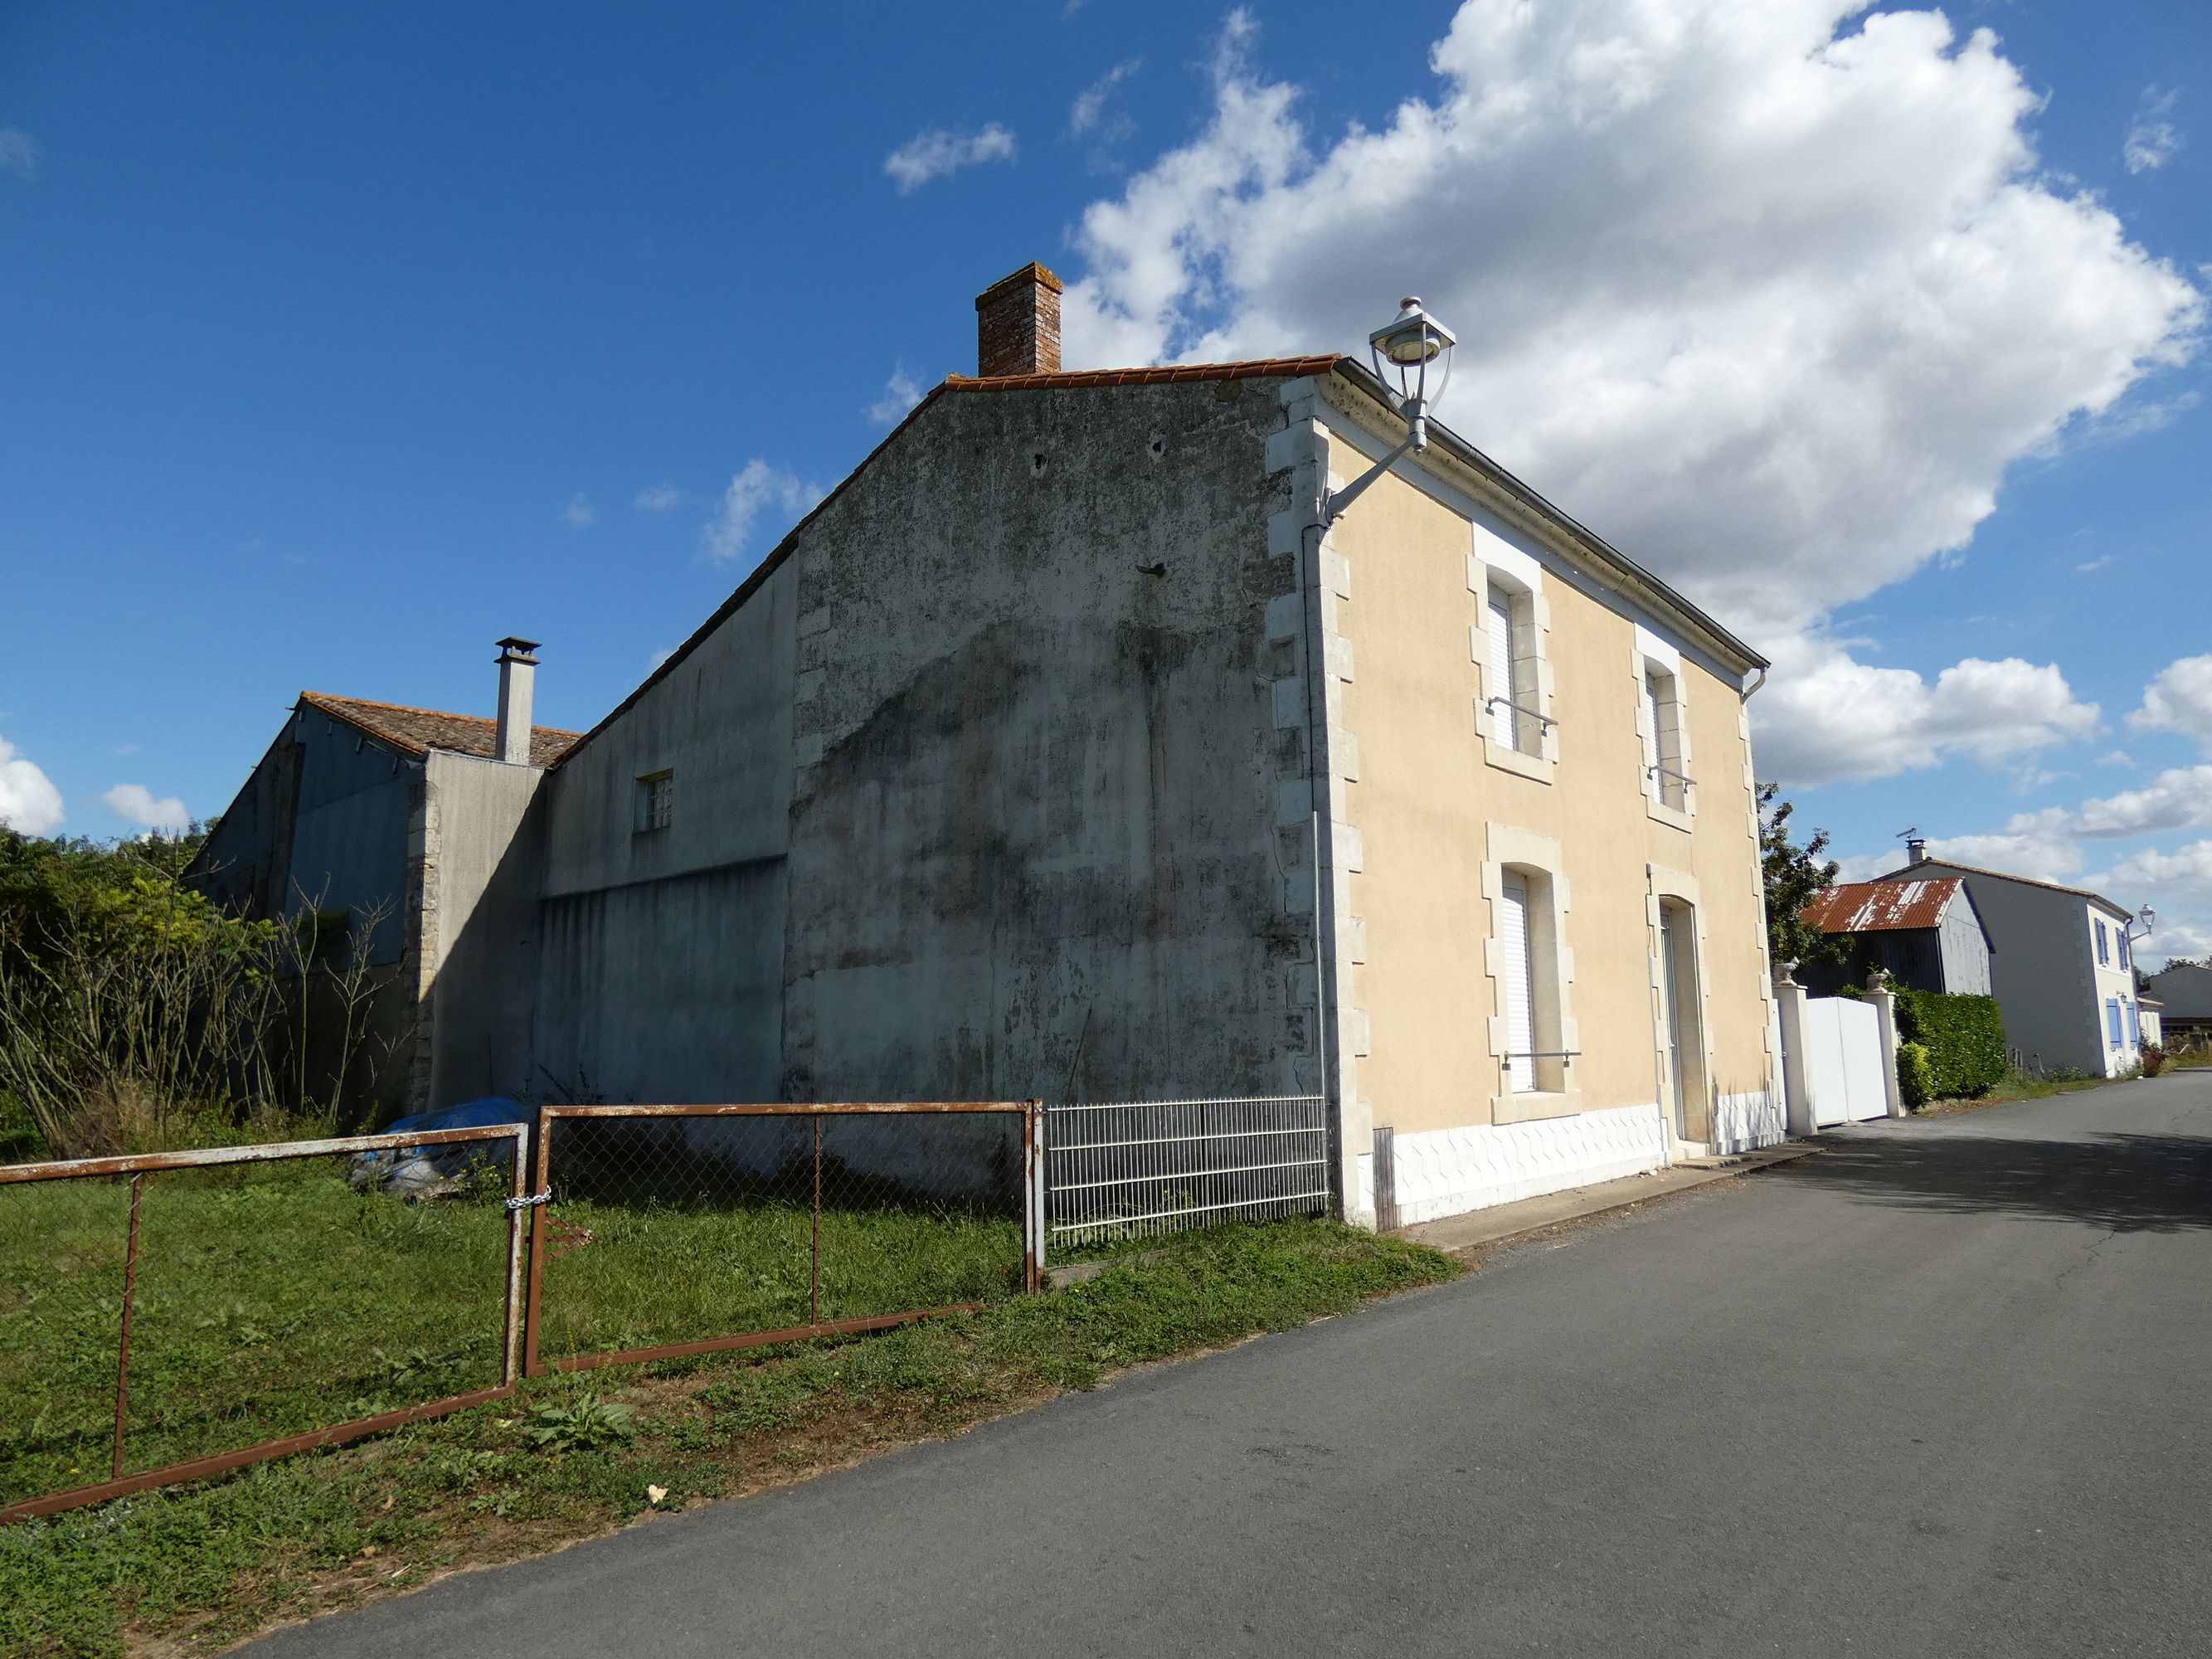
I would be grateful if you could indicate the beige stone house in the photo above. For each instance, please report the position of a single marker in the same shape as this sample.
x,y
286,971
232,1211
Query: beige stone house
x,y
1075,747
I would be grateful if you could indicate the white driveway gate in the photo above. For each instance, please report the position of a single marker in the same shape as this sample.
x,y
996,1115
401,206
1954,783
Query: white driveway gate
x,y
1844,1061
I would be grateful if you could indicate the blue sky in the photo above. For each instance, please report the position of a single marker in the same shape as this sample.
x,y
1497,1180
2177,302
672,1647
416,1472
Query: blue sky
x,y
337,343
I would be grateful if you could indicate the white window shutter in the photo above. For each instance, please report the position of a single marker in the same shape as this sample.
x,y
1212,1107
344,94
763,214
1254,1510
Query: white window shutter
x,y
1514,988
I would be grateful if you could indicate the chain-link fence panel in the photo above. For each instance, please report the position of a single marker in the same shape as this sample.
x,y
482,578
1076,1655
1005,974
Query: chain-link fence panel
x,y
687,1228
266,1299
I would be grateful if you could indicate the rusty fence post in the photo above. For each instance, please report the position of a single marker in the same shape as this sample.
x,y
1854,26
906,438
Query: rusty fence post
x,y
123,1348
814,1297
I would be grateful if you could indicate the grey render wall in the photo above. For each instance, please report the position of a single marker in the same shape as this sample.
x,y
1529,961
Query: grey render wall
x,y
2040,966
246,865
661,953
321,822
1033,847
325,822
482,854
2186,991
1963,950
357,798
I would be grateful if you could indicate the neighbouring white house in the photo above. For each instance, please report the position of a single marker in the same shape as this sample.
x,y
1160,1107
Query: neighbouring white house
x,y
2060,965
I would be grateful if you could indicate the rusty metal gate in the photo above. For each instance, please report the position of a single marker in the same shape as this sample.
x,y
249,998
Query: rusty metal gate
x,y
664,1231
184,1314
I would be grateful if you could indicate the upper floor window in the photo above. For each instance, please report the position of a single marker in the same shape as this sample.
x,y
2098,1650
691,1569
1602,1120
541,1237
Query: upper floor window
x,y
1662,738
2120,939
2104,944
656,801
1662,725
1506,635
1515,717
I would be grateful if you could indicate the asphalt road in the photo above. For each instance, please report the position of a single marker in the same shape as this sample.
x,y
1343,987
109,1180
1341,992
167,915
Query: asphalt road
x,y
1941,1390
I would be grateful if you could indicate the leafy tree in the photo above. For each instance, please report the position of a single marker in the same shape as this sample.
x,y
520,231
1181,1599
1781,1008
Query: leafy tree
x,y
135,1013
1795,876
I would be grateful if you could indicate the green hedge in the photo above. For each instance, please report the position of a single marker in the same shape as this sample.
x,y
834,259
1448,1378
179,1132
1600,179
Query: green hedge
x,y
1915,1081
1964,1037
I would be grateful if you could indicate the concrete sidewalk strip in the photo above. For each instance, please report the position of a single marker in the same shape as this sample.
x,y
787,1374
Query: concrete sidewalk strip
x,y
1501,1224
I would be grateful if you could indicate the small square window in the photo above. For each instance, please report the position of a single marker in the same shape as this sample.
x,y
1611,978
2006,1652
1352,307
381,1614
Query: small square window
x,y
656,801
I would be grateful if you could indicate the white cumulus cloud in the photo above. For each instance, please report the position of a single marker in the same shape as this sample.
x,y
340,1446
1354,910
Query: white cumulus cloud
x,y
2179,700
932,153
580,513
901,394
1089,116
29,802
659,498
2153,138
1827,717
19,151
758,487
134,803
1769,292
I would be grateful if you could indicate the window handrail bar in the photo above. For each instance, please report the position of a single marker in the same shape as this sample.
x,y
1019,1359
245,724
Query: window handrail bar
x,y
1548,1053
1668,771
1541,720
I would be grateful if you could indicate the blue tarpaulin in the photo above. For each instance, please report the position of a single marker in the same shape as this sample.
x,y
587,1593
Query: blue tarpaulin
x,y
415,1171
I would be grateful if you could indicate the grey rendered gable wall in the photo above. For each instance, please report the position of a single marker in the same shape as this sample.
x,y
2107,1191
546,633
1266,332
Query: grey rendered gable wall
x,y
2185,989
349,834
2038,967
660,954
1033,847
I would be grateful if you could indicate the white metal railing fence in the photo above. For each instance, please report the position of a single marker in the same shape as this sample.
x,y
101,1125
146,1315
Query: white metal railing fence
x,y
1129,1168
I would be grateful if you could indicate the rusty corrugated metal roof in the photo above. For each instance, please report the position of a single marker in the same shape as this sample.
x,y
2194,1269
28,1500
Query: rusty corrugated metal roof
x,y
419,730
1875,907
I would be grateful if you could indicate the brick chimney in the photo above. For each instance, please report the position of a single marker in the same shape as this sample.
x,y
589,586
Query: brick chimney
x,y
518,673
1018,325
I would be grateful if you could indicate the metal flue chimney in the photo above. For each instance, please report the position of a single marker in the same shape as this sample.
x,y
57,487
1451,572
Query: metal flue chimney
x,y
518,673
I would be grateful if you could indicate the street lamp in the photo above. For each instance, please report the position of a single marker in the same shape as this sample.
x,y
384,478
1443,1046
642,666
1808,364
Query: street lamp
x,y
1409,344
2144,918
1403,350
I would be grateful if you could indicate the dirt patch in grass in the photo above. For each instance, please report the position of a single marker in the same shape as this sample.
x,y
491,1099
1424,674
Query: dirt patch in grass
x,y
194,1569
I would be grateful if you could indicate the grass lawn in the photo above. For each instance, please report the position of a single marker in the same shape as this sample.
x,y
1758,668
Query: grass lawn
x,y
2017,1085
199,1566
270,1299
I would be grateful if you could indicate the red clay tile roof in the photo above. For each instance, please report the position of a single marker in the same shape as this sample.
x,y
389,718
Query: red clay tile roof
x,y
1286,369
416,731
1876,907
